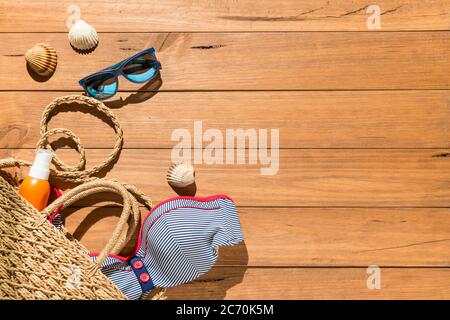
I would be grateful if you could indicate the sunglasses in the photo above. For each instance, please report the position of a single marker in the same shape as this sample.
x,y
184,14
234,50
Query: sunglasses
x,y
139,68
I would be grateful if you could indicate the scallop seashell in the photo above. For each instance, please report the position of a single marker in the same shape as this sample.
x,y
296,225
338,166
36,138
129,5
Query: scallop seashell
x,y
181,175
42,59
83,36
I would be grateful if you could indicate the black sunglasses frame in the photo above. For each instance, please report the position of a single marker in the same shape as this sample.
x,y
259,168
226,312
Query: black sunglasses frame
x,y
116,70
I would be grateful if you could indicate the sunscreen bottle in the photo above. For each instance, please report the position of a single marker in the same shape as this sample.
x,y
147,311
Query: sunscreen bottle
x,y
36,188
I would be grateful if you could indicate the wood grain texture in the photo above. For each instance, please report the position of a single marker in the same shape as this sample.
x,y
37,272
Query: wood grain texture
x,y
293,237
313,283
225,15
248,61
394,119
364,170
379,178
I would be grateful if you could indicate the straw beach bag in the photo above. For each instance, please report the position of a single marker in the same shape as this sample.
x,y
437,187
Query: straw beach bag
x,y
36,260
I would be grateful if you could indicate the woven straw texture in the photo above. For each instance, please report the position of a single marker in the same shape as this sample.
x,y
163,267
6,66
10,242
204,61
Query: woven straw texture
x,y
39,262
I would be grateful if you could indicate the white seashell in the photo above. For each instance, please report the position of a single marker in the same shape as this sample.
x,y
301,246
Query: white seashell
x,y
83,36
42,59
181,175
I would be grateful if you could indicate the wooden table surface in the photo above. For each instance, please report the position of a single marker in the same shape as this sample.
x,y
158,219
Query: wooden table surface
x,y
363,119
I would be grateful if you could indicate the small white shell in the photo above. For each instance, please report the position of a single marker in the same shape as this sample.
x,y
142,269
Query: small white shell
x,y
42,59
83,36
181,175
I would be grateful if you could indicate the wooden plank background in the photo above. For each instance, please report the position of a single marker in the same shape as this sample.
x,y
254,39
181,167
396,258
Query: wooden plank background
x,y
315,283
364,135
317,237
309,119
249,61
306,177
224,15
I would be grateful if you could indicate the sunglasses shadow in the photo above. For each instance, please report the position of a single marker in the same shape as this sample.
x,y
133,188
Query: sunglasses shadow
x,y
144,93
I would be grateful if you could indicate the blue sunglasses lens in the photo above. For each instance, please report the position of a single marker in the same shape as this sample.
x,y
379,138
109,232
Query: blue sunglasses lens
x,y
141,68
102,86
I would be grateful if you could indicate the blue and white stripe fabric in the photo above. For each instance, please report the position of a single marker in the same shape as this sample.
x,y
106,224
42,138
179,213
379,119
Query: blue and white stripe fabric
x,y
178,242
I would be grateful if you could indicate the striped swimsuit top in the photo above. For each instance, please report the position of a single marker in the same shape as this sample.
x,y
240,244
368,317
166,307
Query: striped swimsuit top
x,y
178,242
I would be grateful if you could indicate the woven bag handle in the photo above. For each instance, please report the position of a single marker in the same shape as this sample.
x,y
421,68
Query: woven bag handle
x,y
130,206
74,174
77,174
90,185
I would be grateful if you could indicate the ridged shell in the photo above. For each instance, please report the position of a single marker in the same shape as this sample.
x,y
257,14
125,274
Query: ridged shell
x,y
181,175
42,59
83,36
